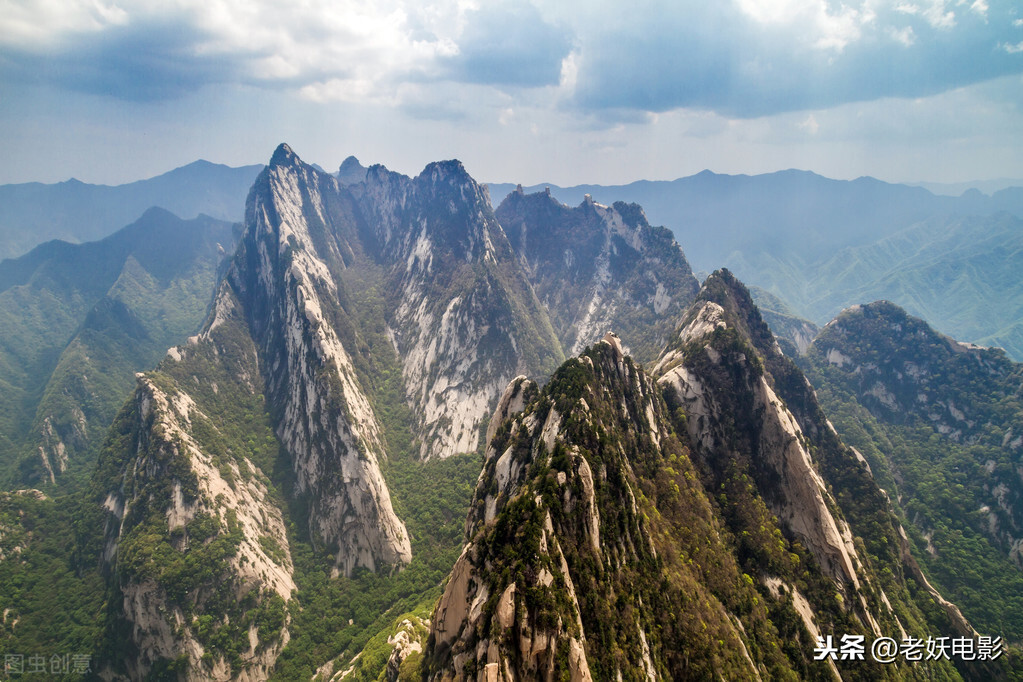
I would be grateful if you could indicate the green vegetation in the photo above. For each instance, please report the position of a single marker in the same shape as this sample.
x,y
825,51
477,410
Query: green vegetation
x,y
76,323
53,603
958,273
943,486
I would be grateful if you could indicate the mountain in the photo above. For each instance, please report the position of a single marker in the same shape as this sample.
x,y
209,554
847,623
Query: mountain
x,y
675,528
958,273
379,398
821,245
352,321
940,423
75,211
78,320
794,334
598,268
796,216
958,188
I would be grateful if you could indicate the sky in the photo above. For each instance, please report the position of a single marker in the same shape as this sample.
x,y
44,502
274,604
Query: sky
x,y
559,91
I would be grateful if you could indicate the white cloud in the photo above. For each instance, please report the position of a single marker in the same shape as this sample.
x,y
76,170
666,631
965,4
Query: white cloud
x,y
810,125
44,23
824,27
906,35
327,48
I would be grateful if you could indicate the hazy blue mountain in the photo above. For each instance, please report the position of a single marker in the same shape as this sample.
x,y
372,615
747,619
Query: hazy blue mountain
x,y
820,245
795,215
78,320
954,189
76,212
961,274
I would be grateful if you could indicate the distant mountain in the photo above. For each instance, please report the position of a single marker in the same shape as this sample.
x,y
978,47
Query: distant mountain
x,y
78,320
600,268
954,189
794,333
798,216
941,424
961,274
77,212
820,245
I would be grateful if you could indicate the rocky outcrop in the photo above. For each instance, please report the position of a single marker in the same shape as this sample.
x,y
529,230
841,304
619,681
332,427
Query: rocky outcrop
x,y
578,541
196,540
755,425
801,497
598,268
300,231
466,320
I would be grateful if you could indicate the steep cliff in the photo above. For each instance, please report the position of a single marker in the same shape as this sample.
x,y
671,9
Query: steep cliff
x,y
587,540
623,527
598,268
466,320
195,538
300,229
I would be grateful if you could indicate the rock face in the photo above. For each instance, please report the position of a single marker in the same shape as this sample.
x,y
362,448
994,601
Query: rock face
x,y
299,230
194,536
332,287
466,320
611,504
599,268
567,568
725,362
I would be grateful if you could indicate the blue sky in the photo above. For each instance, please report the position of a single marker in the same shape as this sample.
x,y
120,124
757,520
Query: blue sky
x,y
559,91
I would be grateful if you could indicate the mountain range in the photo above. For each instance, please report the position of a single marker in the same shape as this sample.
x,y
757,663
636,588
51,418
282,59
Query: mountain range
x,y
396,438
74,211
821,245
78,320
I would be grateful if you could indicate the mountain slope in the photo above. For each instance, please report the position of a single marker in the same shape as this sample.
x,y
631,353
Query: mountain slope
x,y
599,268
605,511
353,323
74,211
76,322
589,538
939,422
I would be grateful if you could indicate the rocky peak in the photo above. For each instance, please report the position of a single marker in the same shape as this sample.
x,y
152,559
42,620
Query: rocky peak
x,y
351,171
284,156
750,412
591,530
301,230
600,267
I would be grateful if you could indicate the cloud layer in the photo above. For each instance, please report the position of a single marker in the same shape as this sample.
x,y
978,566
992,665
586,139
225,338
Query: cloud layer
x,y
739,58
